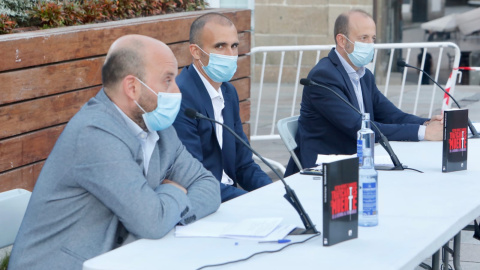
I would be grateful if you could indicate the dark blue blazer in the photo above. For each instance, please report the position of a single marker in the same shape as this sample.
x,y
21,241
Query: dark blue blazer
x,y
328,126
201,140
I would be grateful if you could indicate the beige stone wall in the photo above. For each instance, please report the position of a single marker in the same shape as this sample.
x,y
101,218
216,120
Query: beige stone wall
x,y
296,22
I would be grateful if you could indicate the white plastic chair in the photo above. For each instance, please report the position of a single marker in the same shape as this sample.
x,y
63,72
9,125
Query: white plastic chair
x,y
287,128
13,204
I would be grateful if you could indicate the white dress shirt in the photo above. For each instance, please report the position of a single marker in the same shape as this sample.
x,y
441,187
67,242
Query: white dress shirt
x,y
146,139
218,104
355,77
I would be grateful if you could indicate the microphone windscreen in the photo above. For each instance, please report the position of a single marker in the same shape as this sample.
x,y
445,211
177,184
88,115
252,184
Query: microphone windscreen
x,y
401,63
305,82
191,113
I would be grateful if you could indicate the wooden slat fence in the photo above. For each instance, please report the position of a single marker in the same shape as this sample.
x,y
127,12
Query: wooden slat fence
x,y
47,75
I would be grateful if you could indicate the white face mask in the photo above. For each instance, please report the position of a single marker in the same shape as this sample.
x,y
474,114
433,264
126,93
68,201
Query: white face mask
x,y
168,105
220,68
362,53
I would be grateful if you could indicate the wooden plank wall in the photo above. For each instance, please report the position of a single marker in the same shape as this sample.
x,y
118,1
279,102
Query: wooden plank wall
x,y
46,76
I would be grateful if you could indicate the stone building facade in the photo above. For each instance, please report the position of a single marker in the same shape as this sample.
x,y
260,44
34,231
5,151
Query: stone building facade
x,y
296,22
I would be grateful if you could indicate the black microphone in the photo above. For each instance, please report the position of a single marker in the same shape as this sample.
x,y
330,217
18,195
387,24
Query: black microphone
x,y
402,63
192,114
397,165
290,195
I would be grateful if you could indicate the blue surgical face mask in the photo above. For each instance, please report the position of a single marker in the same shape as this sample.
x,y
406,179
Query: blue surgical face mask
x,y
168,105
220,67
362,53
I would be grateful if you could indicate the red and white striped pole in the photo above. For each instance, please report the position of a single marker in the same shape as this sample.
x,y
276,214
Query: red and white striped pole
x,y
446,98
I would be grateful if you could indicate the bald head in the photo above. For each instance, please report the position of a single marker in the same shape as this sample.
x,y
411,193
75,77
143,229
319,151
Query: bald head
x,y
342,22
129,55
136,69
199,24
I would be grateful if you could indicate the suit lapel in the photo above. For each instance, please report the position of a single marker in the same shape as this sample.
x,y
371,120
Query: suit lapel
x,y
367,97
228,149
154,168
202,94
350,93
129,138
227,112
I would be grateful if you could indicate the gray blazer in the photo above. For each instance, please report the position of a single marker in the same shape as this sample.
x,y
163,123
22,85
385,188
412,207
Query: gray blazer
x,y
93,179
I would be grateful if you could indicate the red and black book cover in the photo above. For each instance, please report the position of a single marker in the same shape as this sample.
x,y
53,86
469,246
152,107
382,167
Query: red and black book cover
x,y
455,140
340,201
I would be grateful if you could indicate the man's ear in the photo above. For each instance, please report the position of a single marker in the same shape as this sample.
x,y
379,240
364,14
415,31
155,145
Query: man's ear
x,y
341,40
195,51
131,87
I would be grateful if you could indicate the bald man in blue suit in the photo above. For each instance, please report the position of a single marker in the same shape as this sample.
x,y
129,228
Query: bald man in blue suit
x,y
329,126
205,88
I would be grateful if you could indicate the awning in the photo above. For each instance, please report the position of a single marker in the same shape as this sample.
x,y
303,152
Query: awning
x,y
444,24
469,22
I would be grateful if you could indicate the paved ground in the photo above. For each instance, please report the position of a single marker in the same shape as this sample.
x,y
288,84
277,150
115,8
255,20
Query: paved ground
x,y
468,97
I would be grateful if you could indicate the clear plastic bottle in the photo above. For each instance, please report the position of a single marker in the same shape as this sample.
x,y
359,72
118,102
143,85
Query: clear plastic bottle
x,y
368,176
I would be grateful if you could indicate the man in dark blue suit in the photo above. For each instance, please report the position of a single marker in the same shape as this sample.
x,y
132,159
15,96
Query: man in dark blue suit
x,y
326,124
205,88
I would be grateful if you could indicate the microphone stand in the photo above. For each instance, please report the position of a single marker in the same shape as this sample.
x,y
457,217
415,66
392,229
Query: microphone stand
x,y
397,165
470,125
290,195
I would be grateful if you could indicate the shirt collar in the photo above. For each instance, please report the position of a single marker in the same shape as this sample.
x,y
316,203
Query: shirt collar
x,y
349,69
211,91
133,127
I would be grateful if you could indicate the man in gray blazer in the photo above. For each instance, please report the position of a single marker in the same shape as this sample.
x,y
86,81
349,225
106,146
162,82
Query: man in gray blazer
x,y
118,168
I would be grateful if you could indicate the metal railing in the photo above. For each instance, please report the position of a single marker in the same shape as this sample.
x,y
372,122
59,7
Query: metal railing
x,y
268,126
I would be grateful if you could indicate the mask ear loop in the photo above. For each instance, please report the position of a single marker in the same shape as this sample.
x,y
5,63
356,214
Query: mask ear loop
x,y
202,50
144,84
204,53
138,105
348,39
346,45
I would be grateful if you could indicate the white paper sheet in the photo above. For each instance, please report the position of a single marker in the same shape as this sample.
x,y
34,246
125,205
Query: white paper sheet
x,y
330,158
257,229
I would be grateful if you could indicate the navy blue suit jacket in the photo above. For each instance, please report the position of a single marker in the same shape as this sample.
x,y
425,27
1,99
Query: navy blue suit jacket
x,y
200,138
328,126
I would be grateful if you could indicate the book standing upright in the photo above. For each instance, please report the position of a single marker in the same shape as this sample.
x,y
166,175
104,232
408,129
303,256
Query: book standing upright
x,y
340,201
455,140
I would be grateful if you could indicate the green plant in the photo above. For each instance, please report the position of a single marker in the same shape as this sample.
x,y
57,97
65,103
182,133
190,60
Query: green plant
x,y
72,13
6,24
4,262
110,8
56,13
92,11
191,5
153,7
129,8
18,9
50,14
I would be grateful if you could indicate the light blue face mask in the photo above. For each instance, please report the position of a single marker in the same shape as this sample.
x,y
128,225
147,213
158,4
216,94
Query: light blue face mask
x,y
362,53
220,68
168,105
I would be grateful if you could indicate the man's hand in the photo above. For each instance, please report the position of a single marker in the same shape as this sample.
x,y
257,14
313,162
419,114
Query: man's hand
x,y
170,182
438,117
434,131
